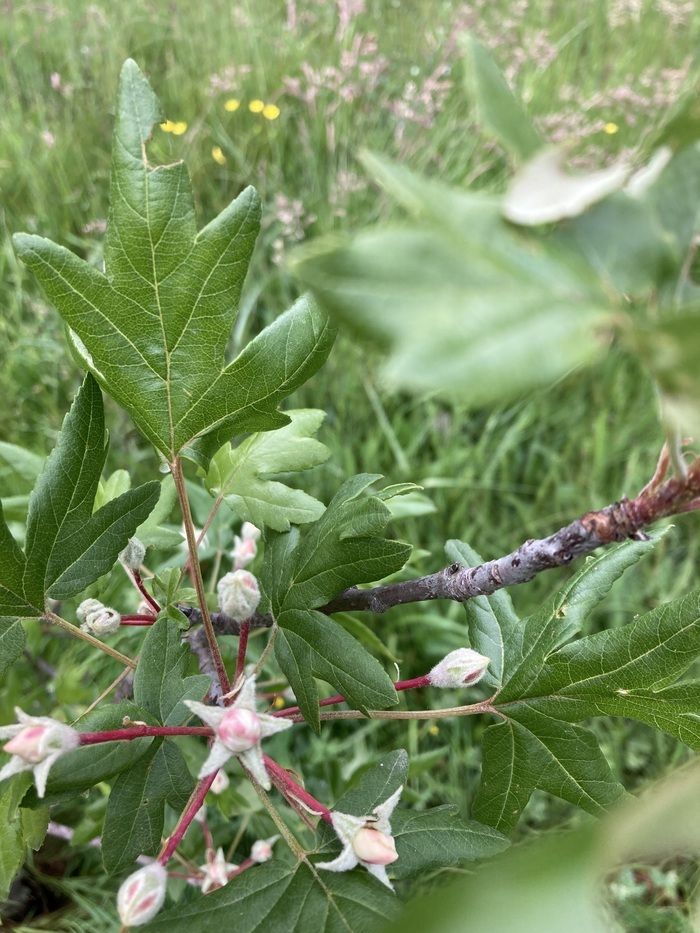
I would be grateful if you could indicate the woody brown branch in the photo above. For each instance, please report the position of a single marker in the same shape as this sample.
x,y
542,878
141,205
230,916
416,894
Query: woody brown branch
x,y
628,518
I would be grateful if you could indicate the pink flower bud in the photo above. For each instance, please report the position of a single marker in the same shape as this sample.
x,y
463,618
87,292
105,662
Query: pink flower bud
x,y
244,551
239,729
459,668
29,744
261,850
374,847
250,532
142,894
239,594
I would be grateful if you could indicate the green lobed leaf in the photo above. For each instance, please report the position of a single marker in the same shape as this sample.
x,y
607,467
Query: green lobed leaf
x,y
283,898
507,312
12,641
344,547
68,546
498,110
20,829
160,684
13,601
135,814
488,617
242,475
153,327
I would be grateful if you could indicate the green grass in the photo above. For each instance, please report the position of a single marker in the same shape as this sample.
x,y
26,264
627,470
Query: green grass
x,y
495,477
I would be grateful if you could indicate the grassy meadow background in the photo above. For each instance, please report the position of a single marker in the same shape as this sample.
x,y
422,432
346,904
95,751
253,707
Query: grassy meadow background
x,y
283,96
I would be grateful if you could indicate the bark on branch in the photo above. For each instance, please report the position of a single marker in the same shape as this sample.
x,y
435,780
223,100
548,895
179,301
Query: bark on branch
x,y
628,518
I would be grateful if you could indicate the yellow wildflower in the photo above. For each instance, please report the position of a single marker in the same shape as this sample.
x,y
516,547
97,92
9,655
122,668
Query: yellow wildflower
x,y
179,128
167,127
256,106
610,128
232,104
279,703
271,111
434,730
218,156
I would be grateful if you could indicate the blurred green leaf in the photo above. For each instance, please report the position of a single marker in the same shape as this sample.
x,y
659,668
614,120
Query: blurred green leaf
x,y
242,475
498,111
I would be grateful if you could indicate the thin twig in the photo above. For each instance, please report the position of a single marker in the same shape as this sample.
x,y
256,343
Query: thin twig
x,y
90,639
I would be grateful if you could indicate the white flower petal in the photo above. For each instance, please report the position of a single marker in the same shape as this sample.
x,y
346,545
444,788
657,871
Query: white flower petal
x,y
41,773
252,759
211,715
346,861
8,732
272,724
542,192
384,811
379,872
218,756
246,695
14,766
347,825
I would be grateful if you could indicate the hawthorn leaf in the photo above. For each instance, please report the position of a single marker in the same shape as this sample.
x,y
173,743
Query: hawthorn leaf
x,y
343,548
68,546
20,829
242,475
13,601
135,814
153,327
623,672
285,898
507,312
12,641
160,684
533,750
498,110
670,349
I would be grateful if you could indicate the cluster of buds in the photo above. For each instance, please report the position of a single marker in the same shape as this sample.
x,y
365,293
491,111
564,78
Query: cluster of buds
x,y
245,545
367,840
238,731
141,896
460,668
35,744
239,594
98,619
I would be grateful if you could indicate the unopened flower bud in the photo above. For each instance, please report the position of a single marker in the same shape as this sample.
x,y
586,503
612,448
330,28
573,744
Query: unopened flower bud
x,y
250,532
97,618
220,782
374,847
261,850
239,729
244,551
142,894
239,594
35,744
459,668
133,554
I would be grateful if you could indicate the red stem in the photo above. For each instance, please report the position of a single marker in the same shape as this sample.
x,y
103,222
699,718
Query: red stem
x,y
140,586
242,649
244,866
138,732
138,619
411,684
288,787
190,811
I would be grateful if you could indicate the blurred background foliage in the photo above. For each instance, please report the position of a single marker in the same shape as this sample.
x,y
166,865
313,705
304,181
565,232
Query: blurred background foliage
x,y
282,96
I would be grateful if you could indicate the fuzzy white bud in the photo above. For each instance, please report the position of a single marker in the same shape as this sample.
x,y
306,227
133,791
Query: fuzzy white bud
x,y
98,619
239,594
460,668
250,532
36,742
261,850
141,896
133,554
